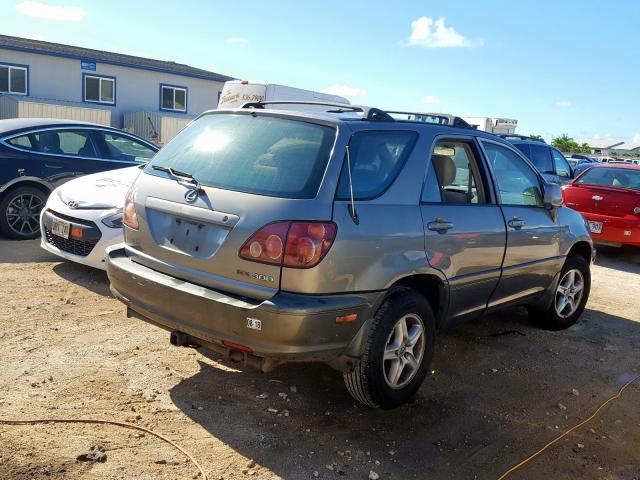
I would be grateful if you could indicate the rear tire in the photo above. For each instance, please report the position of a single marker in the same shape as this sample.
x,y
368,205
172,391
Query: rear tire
x,y
570,297
20,213
397,353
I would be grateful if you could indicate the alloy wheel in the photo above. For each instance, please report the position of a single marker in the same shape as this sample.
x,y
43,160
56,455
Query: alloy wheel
x,y
569,293
23,214
404,351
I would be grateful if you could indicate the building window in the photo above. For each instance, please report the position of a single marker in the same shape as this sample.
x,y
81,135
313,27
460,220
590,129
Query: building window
x,y
173,98
99,89
14,79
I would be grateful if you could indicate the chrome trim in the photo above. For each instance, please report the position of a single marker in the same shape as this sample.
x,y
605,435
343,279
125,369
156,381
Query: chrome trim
x,y
4,141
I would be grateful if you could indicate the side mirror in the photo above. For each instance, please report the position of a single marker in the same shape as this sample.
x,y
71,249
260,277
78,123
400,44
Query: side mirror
x,y
552,196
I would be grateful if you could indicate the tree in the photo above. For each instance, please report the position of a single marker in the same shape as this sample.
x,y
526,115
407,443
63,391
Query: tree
x,y
537,137
565,143
584,148
613,153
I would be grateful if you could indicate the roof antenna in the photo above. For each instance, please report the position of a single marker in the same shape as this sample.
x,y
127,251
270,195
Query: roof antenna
x,y
352,207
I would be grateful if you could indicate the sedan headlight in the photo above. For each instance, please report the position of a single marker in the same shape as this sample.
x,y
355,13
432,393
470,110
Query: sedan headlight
x,y
114,220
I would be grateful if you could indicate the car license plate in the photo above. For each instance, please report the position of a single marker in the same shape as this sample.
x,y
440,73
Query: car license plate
x,y
60,228
254,324
595,227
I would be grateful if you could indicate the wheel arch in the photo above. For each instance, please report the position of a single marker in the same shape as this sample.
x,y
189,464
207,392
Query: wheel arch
x,y
20,182
582,249
433,288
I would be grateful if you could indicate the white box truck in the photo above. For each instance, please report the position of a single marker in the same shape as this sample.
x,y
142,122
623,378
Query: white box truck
x,y
236,93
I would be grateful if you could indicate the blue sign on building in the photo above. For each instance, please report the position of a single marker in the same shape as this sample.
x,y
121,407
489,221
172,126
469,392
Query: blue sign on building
x,y
88,65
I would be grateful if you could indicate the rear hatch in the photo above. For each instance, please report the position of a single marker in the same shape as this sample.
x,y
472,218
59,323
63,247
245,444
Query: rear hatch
x,y
606,191
253,169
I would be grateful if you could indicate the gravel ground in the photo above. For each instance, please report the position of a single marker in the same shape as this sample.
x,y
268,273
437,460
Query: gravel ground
x,y
499,390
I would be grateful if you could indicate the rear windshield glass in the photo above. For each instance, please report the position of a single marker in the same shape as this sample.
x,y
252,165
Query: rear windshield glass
x,y
254,154
612,177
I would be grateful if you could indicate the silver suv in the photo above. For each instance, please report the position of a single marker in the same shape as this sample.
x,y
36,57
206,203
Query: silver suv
x,y
346,237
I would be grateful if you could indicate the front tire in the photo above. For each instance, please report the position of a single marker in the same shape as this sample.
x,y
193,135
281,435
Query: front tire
x,y
20,213
570,297
397,353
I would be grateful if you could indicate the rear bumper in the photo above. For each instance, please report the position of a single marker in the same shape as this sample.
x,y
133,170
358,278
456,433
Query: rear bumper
x,y
294,327
622,230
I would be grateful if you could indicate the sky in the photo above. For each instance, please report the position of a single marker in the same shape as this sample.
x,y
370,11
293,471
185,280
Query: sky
x,y
556,66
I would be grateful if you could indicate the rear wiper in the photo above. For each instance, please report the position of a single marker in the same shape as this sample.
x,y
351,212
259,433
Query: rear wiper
x,y
178,175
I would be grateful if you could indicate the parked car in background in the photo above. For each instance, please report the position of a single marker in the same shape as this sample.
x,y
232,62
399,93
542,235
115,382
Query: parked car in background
x,y
346,237
579,165
235,93
84,216
608,196
548,160
580,156
37,155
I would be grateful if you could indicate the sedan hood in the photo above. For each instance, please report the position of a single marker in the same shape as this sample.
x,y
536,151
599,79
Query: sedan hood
x,y
104,190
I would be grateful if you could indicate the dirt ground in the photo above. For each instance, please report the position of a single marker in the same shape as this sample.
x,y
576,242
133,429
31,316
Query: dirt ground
x,y
500,389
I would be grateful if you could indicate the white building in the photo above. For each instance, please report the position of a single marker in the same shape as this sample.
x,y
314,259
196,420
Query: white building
x,y
602,146
506,126
632,148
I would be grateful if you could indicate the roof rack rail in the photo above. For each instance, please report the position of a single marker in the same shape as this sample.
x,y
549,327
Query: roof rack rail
x,y
429,117
372,114
507,136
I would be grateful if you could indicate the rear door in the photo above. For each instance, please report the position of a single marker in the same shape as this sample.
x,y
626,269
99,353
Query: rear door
x,y
532,257
56,154
464,227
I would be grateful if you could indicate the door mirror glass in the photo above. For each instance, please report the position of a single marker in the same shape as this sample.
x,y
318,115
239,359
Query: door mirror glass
x,y
552,196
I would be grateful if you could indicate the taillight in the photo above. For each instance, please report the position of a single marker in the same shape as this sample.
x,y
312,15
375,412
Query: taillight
x,y
291,244
266,245
129,215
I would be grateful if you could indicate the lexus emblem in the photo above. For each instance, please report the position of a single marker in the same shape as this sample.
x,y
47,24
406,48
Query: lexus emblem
x,y
191,195
72,204
597,198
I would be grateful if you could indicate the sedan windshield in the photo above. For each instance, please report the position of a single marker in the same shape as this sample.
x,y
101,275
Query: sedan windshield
x,y
612,177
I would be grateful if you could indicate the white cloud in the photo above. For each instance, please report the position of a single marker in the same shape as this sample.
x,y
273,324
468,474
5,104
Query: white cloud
x,y
237,40
429,33
431,100
563,104
636,138
344,91
34,36
51,12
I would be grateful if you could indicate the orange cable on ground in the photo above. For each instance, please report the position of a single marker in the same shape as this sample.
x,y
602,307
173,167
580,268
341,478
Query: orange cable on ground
x,y
108,422
555,440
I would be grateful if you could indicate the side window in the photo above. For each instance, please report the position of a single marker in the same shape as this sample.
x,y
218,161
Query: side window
x,y
376,159
57,142
23,141
457,173
541,158
562,166
121,147
76,143
524,148
517,182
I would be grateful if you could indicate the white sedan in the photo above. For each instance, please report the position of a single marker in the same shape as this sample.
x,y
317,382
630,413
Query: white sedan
x,y
84,216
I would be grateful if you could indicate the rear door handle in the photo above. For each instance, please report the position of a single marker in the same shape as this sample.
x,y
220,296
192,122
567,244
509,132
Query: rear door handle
x,y
440,225
516,222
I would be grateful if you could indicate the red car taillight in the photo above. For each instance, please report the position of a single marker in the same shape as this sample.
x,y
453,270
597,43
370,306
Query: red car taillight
x,y
290,244
130,216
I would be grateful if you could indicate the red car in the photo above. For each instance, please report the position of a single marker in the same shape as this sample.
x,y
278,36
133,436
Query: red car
x,y
608,197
